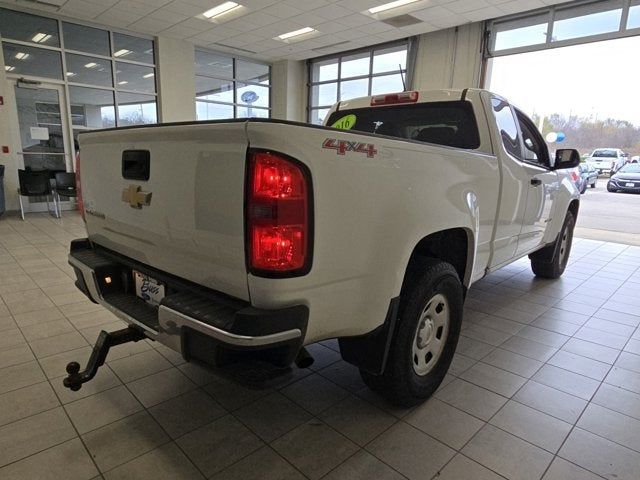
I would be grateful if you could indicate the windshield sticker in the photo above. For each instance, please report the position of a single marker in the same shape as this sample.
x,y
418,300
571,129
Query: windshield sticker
x,y
345,123
343,146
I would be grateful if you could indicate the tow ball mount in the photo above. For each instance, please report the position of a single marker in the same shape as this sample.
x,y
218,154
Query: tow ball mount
x,y
105,341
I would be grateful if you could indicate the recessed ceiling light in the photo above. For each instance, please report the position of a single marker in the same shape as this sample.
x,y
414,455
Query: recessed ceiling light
x,y
389,6
9,68
91,65
40,37
122,53
22,55
122,82
296,33
220,9
148,75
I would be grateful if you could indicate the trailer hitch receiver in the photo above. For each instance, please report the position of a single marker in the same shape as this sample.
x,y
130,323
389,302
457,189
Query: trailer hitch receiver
x,y
105,341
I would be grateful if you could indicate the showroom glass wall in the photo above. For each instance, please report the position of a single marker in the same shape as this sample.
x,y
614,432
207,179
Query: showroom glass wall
x,y
108,77
353,74
230,87
552,63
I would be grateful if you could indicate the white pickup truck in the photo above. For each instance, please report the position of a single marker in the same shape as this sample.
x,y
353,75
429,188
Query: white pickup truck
x,y
252,238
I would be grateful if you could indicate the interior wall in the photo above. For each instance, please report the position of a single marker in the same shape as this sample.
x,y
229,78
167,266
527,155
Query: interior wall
x,y
176,80
289,90
450,58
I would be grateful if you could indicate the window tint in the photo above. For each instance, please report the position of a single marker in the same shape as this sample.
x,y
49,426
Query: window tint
x,y
444,123
507,126
535,150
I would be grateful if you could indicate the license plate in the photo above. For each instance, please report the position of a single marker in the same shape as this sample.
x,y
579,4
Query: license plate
x,y
629,184
148,289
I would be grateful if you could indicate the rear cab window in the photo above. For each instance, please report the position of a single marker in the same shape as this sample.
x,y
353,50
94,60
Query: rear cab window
x,y
452,124
605,153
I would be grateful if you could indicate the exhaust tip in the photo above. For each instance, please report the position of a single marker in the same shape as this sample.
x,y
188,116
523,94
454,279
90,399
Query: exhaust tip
x,y
304,358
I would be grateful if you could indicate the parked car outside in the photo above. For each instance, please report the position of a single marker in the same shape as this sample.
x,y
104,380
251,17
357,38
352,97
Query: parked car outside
x,y
607,160
627,179
588,176
635,159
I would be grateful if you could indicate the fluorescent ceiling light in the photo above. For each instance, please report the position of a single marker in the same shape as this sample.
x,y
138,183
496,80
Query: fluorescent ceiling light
x,y
71,74
123,82
122,53
220,9
296,33
40,37
22,55
148,75
9,68
389,6
91,65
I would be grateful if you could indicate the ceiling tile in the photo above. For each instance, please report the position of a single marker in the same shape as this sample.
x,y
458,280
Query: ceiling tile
x,y
281,10
150,25
167,16
462,6
332,12
355,20
260,19
183,8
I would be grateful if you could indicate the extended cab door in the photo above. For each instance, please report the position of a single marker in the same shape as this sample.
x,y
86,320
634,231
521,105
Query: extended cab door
x,y
542,185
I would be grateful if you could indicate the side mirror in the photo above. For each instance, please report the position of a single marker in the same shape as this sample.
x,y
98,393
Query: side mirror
x,y
566,158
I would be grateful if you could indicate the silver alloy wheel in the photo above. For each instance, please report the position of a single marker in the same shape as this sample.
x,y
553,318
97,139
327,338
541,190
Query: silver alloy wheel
x,y
431,335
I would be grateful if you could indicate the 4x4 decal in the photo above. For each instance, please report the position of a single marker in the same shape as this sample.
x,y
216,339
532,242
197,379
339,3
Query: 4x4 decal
x,y
343,146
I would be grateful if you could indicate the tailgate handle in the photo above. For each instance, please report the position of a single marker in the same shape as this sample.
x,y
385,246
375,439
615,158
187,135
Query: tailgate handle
x,y
136,164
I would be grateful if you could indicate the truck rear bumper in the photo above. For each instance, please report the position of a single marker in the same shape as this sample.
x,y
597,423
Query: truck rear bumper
x,y
198,323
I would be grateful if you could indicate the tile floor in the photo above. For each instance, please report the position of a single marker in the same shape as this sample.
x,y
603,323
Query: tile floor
x,y
545,384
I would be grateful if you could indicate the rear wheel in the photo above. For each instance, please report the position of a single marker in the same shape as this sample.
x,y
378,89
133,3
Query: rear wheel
x,y
551,261
425,338
593,185
610,188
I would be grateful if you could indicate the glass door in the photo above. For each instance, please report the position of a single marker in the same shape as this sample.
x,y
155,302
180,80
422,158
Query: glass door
x,y
44,135
42,119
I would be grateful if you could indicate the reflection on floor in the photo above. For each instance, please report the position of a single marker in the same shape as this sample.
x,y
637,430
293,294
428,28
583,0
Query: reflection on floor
x,y
546,383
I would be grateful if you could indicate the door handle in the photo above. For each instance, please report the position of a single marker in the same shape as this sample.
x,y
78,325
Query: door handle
x,y
536,181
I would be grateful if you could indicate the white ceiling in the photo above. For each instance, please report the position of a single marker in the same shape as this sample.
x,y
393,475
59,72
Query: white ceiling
x,y
249,31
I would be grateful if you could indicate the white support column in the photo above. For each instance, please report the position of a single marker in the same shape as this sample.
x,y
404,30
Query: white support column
x,y
450,58
176,80
289,90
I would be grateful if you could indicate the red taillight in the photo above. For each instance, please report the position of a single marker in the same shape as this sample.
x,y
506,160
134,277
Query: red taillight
x,y
278,238
78,187
574,176
392,98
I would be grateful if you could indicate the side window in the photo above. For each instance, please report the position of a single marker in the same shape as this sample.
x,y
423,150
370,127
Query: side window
x,y
507,126
535,150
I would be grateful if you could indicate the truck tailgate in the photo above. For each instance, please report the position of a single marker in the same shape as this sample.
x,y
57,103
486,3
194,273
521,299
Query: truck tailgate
x,y
193,226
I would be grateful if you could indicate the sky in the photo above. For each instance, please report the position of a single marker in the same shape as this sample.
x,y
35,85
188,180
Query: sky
x,y
598,80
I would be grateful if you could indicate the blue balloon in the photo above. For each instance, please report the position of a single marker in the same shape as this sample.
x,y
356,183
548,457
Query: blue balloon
x,y
561,137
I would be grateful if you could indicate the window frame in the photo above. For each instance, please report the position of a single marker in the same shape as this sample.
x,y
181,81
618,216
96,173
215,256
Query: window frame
x,y
114,88
338,80
522,118
236,104
551,13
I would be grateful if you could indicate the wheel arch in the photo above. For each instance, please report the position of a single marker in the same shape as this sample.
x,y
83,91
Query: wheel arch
x,y
456,246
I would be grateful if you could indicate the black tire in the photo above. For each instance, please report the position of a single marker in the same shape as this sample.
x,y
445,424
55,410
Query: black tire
x,y
610,188
551,261
400,383
593,185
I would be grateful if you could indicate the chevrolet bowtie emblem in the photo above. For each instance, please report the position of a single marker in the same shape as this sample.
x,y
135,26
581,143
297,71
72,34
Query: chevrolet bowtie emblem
x,y
135,197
